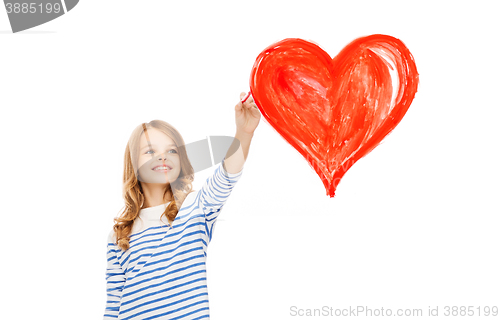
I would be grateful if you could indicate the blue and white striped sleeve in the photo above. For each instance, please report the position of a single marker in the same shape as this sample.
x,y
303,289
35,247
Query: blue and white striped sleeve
x,y
115,279
214,194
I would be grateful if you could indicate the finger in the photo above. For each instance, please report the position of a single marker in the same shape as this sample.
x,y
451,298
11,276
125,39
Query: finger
x,y
238,106
250,106
242,95
250,99
244,99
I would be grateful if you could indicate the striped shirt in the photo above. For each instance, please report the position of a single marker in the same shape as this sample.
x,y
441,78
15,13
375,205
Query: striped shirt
x,y
163,273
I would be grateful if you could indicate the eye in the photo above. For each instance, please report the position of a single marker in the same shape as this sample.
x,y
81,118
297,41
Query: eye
x,y
170,151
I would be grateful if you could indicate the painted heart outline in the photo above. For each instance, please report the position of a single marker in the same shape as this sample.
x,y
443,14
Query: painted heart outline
x,y
334,111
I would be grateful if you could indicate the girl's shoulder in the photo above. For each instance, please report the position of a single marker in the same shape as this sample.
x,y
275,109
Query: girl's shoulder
x,y
191,197
112,236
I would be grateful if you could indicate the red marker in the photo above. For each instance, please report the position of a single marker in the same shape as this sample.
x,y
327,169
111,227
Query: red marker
x,y
246,97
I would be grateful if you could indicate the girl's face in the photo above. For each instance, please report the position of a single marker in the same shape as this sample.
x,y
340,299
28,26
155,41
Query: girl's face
x,y
162,153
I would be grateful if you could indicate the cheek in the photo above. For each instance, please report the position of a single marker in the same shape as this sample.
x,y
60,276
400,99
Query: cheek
x,y
177,164
141,161
176,161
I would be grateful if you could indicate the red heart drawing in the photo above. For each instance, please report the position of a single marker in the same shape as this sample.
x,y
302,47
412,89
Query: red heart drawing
x,y
334,111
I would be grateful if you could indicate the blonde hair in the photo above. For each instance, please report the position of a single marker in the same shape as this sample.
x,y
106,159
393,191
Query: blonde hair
x,y
132,189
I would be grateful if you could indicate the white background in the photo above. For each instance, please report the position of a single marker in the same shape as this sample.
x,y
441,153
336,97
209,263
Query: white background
x,y
413,224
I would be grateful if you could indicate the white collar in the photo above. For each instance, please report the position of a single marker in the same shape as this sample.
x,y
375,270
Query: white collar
x,y
153,213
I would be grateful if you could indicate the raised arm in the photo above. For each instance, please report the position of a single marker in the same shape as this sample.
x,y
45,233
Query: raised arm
x,y
247,117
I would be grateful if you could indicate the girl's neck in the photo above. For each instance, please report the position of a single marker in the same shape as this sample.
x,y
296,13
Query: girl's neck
x,y
154,197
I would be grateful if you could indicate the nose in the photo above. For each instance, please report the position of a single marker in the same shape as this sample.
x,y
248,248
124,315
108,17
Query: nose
x,y
162,156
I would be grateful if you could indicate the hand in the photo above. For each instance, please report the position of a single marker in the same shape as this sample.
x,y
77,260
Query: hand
x,y
247,115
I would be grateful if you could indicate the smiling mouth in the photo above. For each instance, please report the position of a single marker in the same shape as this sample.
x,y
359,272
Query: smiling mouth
x,y
162,169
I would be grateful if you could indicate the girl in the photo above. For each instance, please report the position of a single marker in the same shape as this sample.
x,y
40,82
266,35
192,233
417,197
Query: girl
x,y
157,248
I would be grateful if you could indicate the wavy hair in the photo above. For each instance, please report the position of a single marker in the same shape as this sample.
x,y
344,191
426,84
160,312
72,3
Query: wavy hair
x,y
132,189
